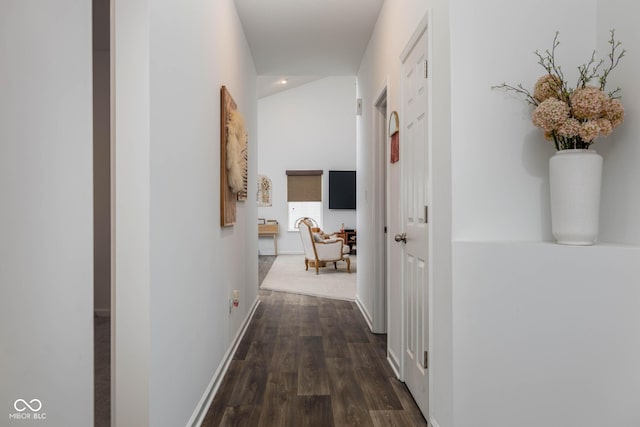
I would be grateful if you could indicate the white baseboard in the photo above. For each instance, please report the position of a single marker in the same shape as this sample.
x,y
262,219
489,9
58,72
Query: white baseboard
x,y
393,362
365,313
392,359
102,312
433,422
280,253
201,409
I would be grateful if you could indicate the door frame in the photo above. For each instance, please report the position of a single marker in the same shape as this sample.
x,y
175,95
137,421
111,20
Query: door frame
x,y
380,209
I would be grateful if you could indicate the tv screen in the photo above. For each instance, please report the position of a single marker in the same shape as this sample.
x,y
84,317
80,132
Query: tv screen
x,y
342,189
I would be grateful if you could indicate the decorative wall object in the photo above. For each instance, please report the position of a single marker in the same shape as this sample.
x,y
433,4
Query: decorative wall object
x,y
394,134
243,161
242,194
573,118
264,191
233,158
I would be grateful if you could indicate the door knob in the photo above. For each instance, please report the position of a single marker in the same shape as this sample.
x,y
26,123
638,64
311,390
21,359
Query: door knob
x,y
401,237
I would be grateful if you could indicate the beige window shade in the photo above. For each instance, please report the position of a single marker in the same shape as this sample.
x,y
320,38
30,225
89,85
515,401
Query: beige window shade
x,y
304,186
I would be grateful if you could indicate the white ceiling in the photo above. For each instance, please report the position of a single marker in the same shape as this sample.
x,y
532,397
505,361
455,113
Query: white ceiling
x,y
268,85
290,38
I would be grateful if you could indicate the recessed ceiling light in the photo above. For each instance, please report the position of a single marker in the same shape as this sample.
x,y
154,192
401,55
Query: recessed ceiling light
x,y
283,81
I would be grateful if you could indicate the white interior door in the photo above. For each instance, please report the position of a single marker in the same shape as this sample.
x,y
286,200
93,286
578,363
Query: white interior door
x,y
415,198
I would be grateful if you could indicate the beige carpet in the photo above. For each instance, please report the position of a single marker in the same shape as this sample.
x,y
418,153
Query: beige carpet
x,y
287,274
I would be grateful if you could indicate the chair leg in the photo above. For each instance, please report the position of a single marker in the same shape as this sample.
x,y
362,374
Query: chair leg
x,y
348,265
317,267
306,264
335,265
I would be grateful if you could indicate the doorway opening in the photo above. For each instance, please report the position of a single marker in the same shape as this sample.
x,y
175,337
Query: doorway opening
x,y
102,322
307,151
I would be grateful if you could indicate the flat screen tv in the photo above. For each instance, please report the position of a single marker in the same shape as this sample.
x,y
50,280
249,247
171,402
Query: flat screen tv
x,y
342,189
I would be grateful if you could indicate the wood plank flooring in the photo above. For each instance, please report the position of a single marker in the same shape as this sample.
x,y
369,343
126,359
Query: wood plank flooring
x,y
308,361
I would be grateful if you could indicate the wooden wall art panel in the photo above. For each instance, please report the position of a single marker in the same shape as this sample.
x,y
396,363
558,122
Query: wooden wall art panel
x,y
233,158
242,194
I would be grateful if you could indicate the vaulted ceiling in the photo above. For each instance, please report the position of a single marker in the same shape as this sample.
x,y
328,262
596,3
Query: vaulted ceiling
x,y
291,38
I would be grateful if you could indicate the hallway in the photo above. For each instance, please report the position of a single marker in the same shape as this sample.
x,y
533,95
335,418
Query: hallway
x,y
308,361
519,327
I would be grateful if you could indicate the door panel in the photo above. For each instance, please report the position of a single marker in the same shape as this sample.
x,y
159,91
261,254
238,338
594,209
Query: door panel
x,y
415,199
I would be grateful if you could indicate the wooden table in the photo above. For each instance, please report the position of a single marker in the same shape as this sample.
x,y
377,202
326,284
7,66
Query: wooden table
x,y
270,229
350,239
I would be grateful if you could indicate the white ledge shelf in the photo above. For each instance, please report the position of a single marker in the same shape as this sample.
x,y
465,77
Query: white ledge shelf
x,y
547,244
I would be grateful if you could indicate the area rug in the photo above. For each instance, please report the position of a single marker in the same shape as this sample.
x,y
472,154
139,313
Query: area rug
x,y
287,274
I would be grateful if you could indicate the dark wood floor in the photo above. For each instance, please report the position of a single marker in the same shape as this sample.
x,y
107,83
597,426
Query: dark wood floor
x,y
308,361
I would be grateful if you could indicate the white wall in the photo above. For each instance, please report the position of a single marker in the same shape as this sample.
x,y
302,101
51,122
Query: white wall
x,y
620,207
500,166
539,330
46,221
546,335
195,48
381,66
497,296
130,318
308,127
187,50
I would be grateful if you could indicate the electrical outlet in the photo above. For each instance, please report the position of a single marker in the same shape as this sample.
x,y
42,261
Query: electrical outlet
x,y
235,300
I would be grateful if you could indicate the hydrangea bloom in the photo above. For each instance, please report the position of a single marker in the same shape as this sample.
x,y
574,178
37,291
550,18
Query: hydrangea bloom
x,y
547,86
589,130
573,117
551,114
605,127
570,128
613,111
588,102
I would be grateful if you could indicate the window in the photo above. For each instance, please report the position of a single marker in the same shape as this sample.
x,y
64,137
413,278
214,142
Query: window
x,y
298,210
304,196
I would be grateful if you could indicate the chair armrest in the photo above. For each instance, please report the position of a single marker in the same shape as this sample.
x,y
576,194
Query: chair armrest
x,y
333,240
329,250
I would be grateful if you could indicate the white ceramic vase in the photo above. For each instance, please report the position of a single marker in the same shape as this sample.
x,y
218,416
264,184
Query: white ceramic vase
x,y
575,177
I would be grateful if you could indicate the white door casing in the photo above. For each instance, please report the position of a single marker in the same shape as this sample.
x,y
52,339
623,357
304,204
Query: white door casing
x,y
414,205
379,211
394,264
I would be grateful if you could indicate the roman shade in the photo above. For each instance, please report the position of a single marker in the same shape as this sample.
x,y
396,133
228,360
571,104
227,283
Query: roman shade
x,y
304,185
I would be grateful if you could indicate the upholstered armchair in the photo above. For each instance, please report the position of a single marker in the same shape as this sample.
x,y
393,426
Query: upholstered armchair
x,y
319,251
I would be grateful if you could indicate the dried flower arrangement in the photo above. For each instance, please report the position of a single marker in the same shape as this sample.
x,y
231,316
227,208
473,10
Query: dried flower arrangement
x,y
574,117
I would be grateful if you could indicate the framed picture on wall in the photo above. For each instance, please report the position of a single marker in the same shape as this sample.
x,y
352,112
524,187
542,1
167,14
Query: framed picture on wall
x,y
394,134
